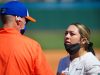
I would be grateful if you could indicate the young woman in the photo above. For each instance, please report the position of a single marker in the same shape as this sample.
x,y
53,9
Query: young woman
x,y
81,59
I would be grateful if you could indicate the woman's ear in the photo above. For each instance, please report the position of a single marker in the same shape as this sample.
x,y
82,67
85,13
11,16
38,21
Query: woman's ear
x,y
83,40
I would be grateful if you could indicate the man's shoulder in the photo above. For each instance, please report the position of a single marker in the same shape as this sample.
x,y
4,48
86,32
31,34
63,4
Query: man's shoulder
x,y
64,63
29,40
65,60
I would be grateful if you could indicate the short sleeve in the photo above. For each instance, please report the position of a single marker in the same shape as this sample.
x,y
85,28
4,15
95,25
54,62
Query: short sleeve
x,y
92,66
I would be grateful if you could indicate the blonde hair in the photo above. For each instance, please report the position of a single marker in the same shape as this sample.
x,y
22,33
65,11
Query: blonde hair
x,y
85,33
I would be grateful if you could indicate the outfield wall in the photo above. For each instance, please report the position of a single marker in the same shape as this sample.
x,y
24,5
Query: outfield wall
x,y
58,16
53,18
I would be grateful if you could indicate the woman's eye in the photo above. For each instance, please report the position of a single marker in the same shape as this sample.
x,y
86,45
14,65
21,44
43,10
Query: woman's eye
x,y
72,34
66,33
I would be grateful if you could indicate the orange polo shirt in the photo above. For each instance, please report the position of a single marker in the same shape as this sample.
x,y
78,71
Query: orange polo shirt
x,y
20,55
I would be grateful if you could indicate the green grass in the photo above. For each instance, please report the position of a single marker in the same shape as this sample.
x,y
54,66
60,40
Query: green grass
x,y
95,38
48,39
53,39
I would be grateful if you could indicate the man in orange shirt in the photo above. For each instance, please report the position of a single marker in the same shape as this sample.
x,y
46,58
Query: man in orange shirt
x,y
19,55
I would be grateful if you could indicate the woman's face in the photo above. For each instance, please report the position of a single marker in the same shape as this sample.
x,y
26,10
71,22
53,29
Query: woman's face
x,y
72,35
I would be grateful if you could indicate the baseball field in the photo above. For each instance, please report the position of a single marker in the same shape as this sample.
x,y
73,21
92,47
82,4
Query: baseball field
x,y
51,24
52,44
53,57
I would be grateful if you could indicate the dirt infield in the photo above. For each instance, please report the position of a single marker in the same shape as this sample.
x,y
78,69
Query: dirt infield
x,y
53,57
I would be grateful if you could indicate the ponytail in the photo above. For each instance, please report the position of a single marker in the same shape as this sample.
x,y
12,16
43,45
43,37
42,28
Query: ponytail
x,y
90,48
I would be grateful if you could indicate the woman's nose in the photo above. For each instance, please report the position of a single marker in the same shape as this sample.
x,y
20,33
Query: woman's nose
x,y
67,35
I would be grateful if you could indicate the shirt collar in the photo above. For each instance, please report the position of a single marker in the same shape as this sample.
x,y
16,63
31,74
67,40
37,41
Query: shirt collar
x,y
9,30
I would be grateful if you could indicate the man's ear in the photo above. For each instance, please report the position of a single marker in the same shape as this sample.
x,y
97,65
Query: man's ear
x,y
18,20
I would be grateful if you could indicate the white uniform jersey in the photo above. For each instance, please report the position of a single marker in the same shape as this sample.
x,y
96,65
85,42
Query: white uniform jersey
x,y
87,64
